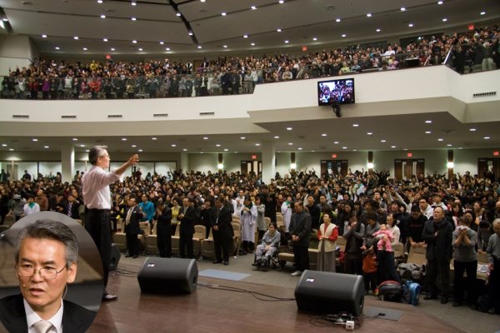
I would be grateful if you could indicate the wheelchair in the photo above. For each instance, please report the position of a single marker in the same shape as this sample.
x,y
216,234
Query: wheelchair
x,y
265,264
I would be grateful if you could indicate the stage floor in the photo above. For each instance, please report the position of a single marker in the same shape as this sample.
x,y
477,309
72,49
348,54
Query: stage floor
x,y
234,306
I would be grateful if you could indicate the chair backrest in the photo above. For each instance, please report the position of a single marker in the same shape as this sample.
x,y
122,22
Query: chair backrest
x,y
268,221
236,229
199,231
155,223
482,258
417,255
146,227
399,250
177,231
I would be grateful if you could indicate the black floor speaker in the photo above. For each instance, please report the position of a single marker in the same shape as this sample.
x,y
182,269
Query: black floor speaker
x,y
325,292
115,257
168,276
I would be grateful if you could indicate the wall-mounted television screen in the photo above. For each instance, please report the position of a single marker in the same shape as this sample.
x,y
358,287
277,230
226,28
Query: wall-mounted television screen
x,y
339,91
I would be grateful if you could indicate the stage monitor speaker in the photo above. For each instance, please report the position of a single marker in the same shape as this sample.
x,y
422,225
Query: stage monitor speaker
x,y
331,293
115,257
168,276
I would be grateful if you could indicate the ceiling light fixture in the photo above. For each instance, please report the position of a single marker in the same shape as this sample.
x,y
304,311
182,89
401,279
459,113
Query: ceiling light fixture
x,y
338,20
472,129
103,16
487,138
289,128
85,49
252,44
154,138
133,3
245,36
133,18
344,35
281,2
104,39
162,42
140,49
355,125
403,9
428,121
190,33
287,41
199,46
178,14
57,48
410,25
224,46
44,36
369,15
75,38
482,13
440,2
223,13
134,42
445,19
167,49
113,49
278,30
315,38
378,30
276,137
253,8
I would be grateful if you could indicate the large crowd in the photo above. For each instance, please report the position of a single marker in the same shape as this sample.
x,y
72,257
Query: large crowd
x,y
370,210
50,79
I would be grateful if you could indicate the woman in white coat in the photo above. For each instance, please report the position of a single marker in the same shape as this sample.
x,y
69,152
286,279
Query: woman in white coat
x,y
327,236
248,223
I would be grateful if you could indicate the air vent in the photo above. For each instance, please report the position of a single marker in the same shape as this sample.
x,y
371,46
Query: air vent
x,y
160,115
115,116
68,117
485,94
207,113
23,116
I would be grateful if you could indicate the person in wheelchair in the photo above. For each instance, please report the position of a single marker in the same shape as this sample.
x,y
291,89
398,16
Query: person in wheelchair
x,y
268,247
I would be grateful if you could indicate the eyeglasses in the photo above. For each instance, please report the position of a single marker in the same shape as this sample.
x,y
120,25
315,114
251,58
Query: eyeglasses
x,y
48,273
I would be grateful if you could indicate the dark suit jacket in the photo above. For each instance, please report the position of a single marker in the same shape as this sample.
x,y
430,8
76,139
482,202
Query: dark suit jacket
x,y
189,219
75,213
133,227
76,319
224,222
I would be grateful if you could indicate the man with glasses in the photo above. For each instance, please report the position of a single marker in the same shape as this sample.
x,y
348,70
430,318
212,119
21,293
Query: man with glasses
x,y
46,261
97,199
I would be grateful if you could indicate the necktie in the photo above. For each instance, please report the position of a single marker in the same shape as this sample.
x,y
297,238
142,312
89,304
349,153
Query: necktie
x,y
69,208
42,326
129,213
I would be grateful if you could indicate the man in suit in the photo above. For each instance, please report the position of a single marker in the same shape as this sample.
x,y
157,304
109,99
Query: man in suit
x,y
300,235
46,260
222,231
164,229
132,227
187,218
72,207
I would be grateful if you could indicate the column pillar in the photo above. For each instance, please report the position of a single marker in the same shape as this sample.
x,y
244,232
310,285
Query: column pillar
x,y
67,163
184,162
268,161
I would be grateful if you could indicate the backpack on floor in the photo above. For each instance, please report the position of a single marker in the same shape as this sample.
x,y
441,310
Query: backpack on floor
x,y
391,291
414,290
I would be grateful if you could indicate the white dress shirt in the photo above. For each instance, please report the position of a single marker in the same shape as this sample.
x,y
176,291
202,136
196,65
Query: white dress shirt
x,y
32,317
95,187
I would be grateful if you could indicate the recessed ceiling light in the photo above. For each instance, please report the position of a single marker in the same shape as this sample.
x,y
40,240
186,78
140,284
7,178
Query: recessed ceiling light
x,y
405,149
369,133
428,121
162,42
173,145
369,15
87,150
140,150
290,143
75,139
124,139
190,33
445,19
167,49
257,144
75,38
344,147
355,125
85,49
378,30
217,145
133,18
440,139
344,35
449,145
324,134
276,137
184,149
82,146
178,14
133,3
44,36
300,148
410,25
205,138
203,0
482,13
34,139
112,49
315,38
245,36
104,39
281,2
4,145
428,132
472,129
103,16
403,9
338,20
335,142
134,42
243,138
486,137
289,128
383,140
223,13
253,8
252,44
287,41
440,2
140,49
11,149
134,146
224,46
100,1
393,147
199,47
225,149
57,48
154,138
278,30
